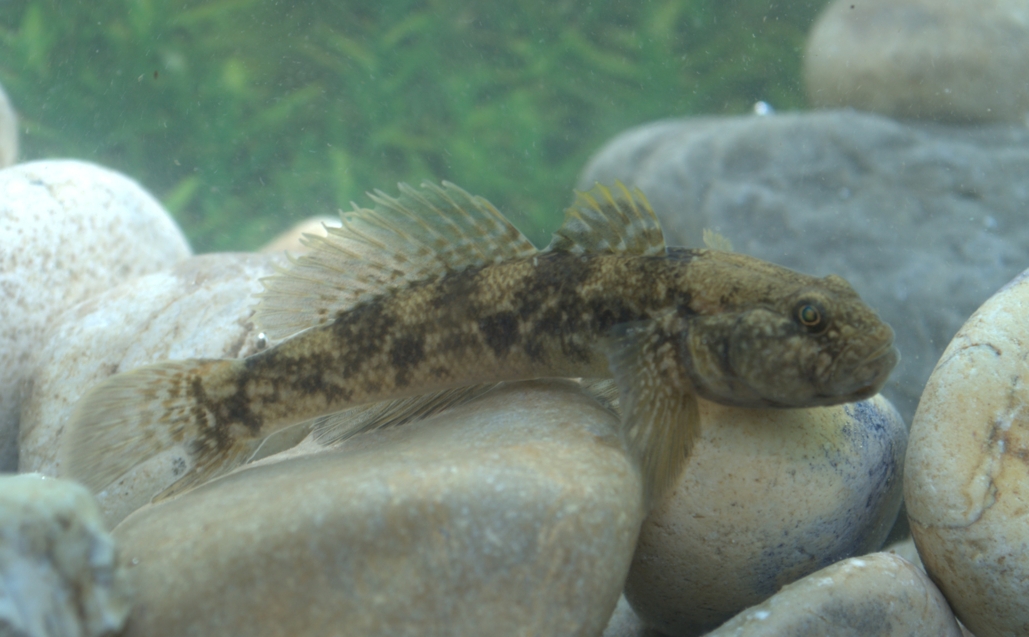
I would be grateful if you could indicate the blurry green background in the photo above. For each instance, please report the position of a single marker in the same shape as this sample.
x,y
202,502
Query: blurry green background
x,y
245,116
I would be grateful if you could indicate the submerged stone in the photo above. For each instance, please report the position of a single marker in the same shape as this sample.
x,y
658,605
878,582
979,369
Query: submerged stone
x,y
514,514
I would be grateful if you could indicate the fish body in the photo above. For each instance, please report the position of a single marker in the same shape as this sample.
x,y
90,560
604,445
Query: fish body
x,y
435,291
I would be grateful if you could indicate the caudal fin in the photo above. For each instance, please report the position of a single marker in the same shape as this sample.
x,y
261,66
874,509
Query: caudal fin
x,y
135,416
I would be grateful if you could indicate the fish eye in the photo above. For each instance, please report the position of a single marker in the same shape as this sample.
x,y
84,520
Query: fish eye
x,y
811,315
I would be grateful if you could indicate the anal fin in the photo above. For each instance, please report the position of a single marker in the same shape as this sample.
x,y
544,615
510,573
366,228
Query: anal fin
x,y
659,410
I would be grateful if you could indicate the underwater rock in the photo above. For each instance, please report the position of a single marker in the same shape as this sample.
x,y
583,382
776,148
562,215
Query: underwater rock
x,y
767,497
943,60
68,230
8,131
59,571
290,239
514,514
925,221
966,477
878,594
200,307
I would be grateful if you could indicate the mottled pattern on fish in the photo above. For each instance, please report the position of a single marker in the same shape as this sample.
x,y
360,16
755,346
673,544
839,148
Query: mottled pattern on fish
x,y
435,291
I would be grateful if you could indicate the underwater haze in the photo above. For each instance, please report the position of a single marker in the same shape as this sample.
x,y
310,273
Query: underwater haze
x,y
245,116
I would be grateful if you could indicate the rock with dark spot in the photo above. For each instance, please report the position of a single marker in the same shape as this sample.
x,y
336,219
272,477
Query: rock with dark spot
x,y
877,595
967,480
201,308
68,230
925,221
515,514
768,496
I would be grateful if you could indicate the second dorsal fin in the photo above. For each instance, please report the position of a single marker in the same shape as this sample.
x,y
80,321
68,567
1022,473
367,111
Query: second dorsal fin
x,y
420,235
610,221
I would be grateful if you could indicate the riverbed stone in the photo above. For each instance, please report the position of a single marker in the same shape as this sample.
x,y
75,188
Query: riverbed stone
x,y
943,60
877,595
201,307
515,514
967,480
59,570
8,131
925,221
768,496
68,230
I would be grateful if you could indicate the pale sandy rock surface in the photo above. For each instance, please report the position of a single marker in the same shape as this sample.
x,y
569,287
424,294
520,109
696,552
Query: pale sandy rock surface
x,y
944,60
200,308
877,595
967,480
59,571
289,241
513,515
68,230
925,221
767,497
8,131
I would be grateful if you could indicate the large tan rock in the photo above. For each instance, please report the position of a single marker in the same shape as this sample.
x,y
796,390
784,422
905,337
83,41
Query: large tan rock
x,y
68,230
877,595
513,515
967,481
59,571
768,496
199,308
945,60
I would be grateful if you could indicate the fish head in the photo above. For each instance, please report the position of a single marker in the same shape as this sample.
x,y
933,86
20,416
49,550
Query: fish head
x,y
813,343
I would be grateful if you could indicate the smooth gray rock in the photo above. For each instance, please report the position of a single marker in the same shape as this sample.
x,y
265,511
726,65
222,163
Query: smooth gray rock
x,y
925,221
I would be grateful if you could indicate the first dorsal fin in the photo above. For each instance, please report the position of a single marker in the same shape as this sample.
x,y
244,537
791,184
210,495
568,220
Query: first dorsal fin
x,y
420,235
610,221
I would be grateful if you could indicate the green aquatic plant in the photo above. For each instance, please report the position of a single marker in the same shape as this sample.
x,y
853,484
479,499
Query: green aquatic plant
x,y
245,116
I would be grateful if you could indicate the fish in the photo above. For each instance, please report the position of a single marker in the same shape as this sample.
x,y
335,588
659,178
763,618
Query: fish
x,y
433,296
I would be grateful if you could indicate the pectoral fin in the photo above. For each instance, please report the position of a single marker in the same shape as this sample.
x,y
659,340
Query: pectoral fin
x,y
659,410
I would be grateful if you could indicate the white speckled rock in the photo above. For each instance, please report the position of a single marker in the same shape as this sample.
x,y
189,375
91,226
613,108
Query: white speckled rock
x,y
8,131
767,497
967,478
513,515
68,230
948,60
877,595
290,239
59,572
199,308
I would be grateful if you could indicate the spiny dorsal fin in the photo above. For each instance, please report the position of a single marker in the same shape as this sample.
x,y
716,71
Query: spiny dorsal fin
x,y
335,428
420,235
610,221
659,412
716,241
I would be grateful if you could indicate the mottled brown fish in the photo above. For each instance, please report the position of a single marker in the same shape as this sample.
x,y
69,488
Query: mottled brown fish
x,y
435,291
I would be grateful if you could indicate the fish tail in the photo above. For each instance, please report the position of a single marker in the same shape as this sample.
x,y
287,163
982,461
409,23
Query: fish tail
x,y
133,417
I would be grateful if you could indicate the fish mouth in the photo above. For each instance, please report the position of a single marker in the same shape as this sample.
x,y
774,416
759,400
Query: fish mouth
x,y
866,378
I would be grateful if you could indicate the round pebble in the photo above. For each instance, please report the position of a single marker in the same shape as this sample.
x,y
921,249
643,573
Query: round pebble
x,y
879,594
59,570
199,308
768,496
68,230
967,479
290,240
516,514
945,60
